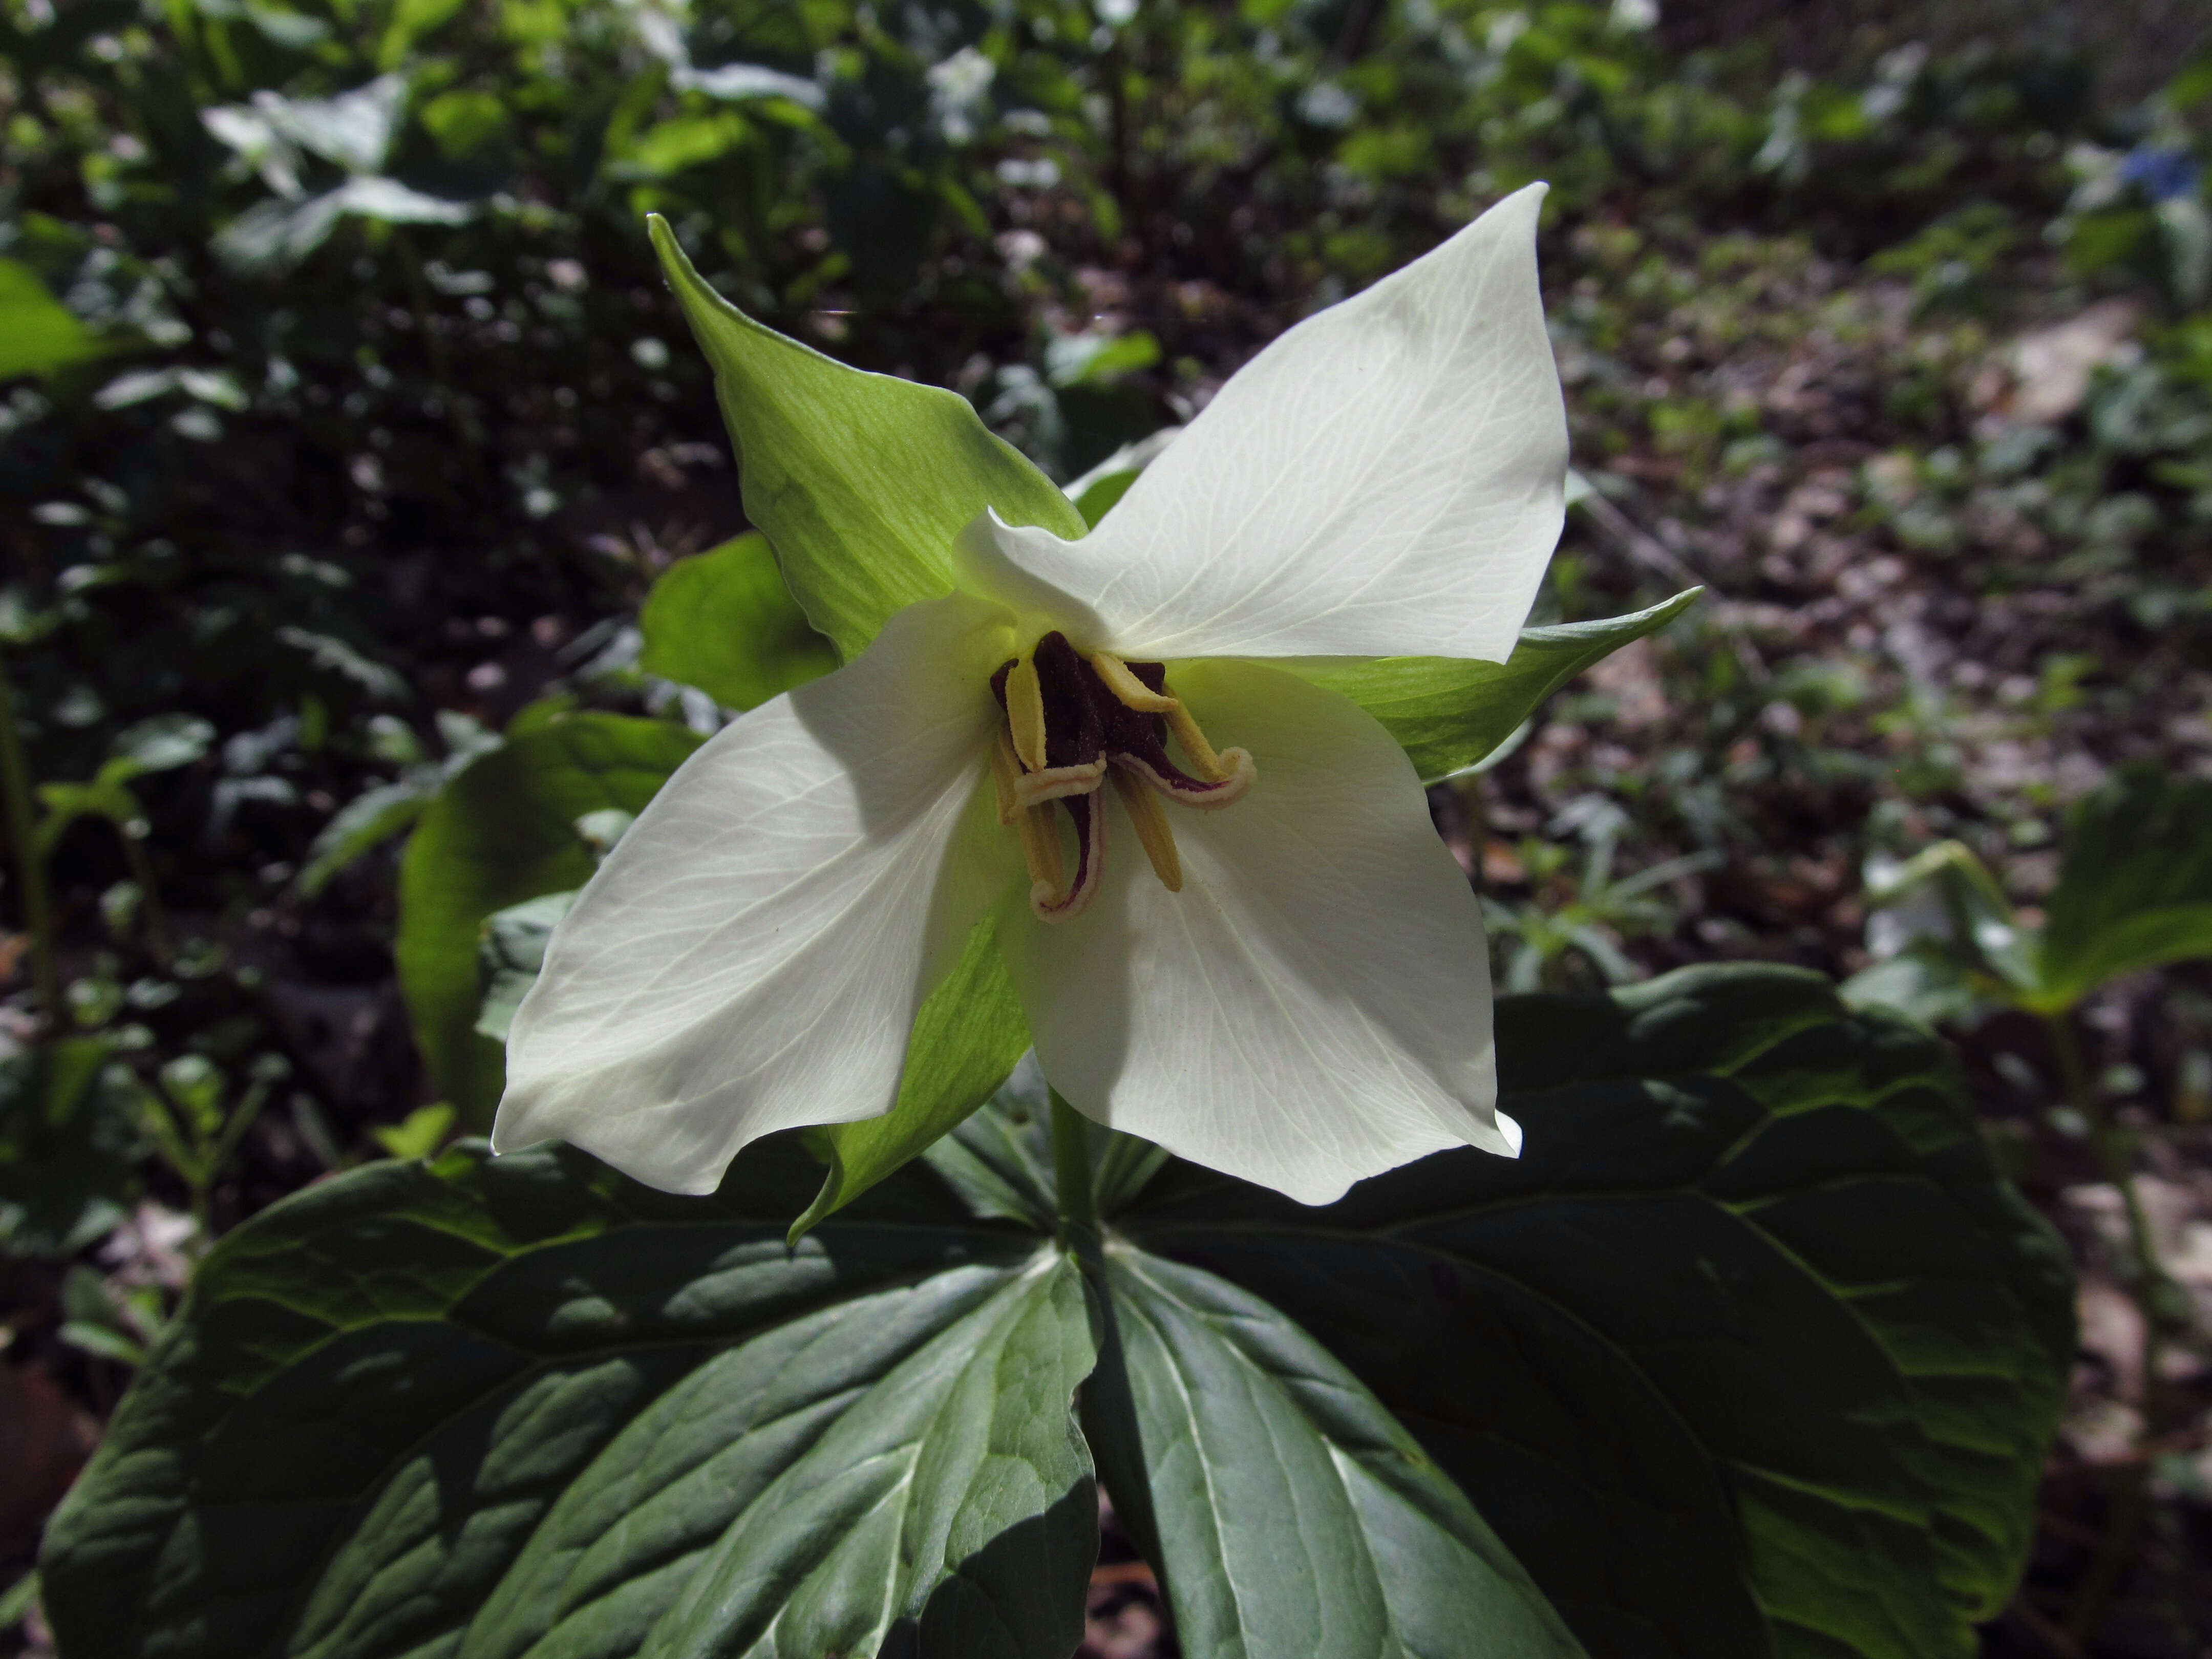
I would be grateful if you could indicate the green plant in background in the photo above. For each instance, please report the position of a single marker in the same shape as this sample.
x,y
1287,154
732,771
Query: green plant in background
x,y
158,744
2134,892
69,1136
1587,911
33,898
192,1129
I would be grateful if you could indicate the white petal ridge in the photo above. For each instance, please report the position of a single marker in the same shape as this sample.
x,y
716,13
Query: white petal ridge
x,y
1386,478
750,955
1314,1007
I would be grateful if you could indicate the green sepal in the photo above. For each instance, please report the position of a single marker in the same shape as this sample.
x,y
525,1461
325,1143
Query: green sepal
x,y
1448,713
725,622
967,1039
1099,499
861,481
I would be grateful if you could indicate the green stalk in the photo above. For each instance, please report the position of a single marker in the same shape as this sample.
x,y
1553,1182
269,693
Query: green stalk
x,y
1071,1169
30,869
140,866
2155,1293
2110,1143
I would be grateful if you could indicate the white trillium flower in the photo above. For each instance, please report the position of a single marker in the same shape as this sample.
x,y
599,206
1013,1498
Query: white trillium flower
x,y
1231,926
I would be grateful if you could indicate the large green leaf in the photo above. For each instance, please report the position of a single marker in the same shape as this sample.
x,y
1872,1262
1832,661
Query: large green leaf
x,y
723,620
861,481
2134,888
503,830
1448,713
1752,1353
491,1408
1289,1512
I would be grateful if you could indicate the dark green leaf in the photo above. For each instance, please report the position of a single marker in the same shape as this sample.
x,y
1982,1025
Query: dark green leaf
x,y
368,820
491,1408
1447,713
1288,1511
2134,888
1752,1353
503,830
68,1139
65,803
723,620
17,1600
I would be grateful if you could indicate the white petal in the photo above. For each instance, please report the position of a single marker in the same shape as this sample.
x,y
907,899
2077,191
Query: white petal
x,y
1386,478
750,955
1314,1007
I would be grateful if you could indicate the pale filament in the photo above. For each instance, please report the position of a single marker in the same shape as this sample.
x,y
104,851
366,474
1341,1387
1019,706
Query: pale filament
x,y
1039,834
1028,785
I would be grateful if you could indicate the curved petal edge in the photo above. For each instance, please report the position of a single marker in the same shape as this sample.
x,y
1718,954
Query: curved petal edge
x,y
750,955
1388,479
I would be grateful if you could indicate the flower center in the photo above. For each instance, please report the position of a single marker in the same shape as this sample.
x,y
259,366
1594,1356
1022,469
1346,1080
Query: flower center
x,y
1074,722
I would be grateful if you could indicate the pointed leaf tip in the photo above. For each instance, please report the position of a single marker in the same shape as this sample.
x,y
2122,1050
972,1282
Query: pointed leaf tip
x,y
860,481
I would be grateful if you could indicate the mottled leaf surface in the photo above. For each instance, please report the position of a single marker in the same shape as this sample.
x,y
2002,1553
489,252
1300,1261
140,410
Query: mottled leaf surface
x,y
1751,1352
486,1409
1288,1511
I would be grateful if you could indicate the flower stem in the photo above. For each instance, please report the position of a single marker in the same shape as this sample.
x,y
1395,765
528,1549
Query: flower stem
x,y
2150,1281
2156,1294
1071,1169
159,939
30,869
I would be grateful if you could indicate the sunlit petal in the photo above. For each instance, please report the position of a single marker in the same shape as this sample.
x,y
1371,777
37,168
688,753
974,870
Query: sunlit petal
x,y
1314,1006
750,955
1386,479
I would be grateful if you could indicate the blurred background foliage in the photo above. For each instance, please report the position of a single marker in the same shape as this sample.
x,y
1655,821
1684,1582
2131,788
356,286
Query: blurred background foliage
x,y
346,430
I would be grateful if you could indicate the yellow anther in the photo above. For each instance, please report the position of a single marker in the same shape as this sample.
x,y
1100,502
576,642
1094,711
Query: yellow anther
x,y
1005,773
1117,678
1026,712
1134,692
1152,826
1202,758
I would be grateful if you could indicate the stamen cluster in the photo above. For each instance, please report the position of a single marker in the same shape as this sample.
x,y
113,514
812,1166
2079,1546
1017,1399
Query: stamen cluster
x,y
1073,720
